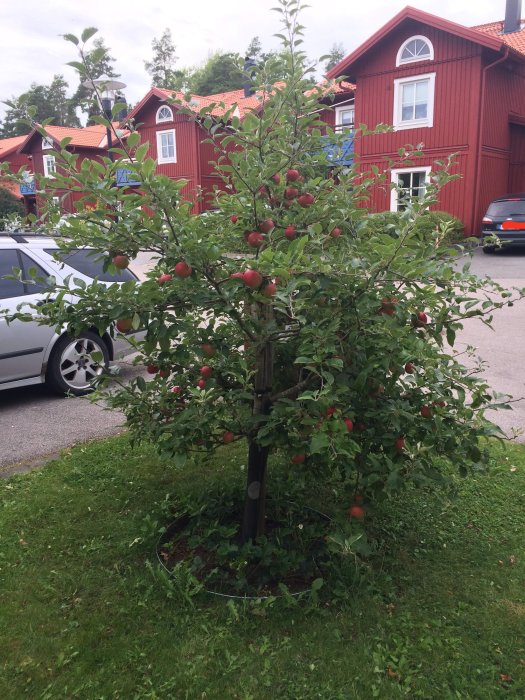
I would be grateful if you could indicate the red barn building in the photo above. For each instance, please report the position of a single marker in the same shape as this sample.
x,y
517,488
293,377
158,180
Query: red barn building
x,y
453,89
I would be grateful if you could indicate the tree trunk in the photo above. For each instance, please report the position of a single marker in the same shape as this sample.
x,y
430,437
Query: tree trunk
x,y
253,523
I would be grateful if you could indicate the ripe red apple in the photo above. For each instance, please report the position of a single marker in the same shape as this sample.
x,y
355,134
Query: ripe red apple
x,y
165,277
388,306
331,410
420,319
164,373
234,218
182,269
349,424
291,193
120,261
255,239
176,389
201,383
426,411
410,368
152,369
306,200
208,349
206,371
228,436
298,459
266,226
124,325
252,278
290,232
276,178
400,444
356,511
335,232
292,175
269,289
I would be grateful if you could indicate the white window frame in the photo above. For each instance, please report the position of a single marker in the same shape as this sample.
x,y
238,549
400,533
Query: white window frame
x,y
403,61
47,143
49,160
394,193
399,83
160,157
159,119
339,127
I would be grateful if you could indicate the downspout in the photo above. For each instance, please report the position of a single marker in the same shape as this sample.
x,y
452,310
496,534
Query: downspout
x,y
480,128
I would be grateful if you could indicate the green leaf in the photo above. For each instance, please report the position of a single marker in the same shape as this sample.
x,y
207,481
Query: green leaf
x,y
73,39
88,33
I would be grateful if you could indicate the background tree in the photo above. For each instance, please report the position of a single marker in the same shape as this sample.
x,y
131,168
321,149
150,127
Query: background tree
x,y
324,344
51,102
332,58
222,72
161,67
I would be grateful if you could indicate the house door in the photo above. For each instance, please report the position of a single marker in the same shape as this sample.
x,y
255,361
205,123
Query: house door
x,y
516,181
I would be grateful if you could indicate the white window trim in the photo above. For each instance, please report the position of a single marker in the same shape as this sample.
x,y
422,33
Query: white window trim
x,y
160,159
47,143
416,59
399,125
394,192
159,119
343,108
47,172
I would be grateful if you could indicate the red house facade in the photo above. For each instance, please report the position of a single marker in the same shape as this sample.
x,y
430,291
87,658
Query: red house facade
x,y
452,89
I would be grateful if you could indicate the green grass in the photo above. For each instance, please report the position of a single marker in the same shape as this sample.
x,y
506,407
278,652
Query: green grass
x,y
85,612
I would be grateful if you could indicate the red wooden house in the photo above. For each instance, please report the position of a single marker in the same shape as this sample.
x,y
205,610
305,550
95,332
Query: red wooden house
x,y
9,154
453,89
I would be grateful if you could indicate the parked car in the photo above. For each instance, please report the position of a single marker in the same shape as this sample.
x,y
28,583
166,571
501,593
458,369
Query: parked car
x,y
505,218
31,353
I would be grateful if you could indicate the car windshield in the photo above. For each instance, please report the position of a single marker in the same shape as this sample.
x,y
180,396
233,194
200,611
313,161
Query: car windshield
x,y
510,207
90,263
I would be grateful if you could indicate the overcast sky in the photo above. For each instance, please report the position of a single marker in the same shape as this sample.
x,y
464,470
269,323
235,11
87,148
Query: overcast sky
x,y
32,50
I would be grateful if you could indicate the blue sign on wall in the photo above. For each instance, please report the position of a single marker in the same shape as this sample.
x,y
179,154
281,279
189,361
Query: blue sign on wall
x,y
28,187
126,178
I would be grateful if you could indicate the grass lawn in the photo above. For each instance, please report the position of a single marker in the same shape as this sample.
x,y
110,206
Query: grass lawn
x,y
85,612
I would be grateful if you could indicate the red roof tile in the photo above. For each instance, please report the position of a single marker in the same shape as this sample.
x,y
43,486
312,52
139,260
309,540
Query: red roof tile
x,y
10,186
11,144
516,40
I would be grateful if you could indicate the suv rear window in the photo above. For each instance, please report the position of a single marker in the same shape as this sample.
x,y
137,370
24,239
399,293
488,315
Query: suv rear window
x,y
90,263
509,207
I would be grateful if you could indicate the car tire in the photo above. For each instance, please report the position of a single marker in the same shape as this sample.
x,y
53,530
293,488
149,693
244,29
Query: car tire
x,y
489,249
72,368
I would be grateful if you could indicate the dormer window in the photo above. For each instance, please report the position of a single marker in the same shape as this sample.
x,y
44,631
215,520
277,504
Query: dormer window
x,y
164,114
417,48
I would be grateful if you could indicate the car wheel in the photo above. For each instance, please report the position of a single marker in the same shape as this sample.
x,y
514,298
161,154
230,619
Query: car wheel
x,y
489,249
74,366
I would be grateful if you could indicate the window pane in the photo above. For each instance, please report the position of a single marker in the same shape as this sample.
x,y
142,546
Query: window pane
x,y
40,275
422,91
90,263
421,111
167,145
9,288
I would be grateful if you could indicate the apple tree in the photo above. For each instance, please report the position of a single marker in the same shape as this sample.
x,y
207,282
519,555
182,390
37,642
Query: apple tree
x,y
281,318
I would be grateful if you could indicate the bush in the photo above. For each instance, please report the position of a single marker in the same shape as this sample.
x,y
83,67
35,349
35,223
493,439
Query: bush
x,y
9,206
426,226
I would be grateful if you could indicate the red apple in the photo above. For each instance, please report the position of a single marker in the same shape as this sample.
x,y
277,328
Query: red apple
x,y
298,459
292,175
335,232
120,261
388,305
276,178
400,444
291,192
410,368
331,410
124,325
266,226
349,424
165,277
306,200
255,239
228,436
182,269
208,349
426,411
164,373
152,369
234,218
206,371
201,383
269,289
252,278
290,232
176,389
420,319
356,511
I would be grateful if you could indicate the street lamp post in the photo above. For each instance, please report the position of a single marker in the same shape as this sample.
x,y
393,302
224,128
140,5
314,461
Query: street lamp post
x,y
106,88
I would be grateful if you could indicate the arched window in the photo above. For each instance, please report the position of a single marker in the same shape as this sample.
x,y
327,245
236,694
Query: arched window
x,y
417,48
164,114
